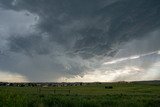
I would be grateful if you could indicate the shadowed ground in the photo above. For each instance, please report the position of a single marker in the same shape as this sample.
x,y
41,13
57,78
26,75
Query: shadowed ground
x,y
135,94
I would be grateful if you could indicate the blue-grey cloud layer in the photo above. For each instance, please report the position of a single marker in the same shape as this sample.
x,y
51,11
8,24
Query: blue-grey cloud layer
x,y
74,36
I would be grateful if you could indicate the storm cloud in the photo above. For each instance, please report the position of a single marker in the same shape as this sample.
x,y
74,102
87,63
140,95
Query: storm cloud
x,y
45,40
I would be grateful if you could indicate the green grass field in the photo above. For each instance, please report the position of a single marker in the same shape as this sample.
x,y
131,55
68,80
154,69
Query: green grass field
x,y
92,95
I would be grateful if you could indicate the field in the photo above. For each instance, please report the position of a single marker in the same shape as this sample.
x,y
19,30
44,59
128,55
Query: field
x,y
135,94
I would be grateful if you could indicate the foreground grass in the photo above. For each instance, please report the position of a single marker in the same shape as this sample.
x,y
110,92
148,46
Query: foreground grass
x,y
93,95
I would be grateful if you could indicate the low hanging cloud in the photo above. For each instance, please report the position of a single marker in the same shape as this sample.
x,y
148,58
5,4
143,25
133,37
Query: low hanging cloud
x,y
50,39
11,77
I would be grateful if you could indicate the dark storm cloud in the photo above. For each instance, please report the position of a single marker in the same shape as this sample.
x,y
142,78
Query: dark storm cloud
x,y
88,29
74,33
29,44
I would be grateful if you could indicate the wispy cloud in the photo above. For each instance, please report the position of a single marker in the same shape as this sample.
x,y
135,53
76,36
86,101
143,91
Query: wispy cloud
x,y
130,58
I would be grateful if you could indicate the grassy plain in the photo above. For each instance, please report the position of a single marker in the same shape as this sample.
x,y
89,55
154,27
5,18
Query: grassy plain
x,y
138,94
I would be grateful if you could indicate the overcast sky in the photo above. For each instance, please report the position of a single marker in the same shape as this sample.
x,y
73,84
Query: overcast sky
x,y
79,40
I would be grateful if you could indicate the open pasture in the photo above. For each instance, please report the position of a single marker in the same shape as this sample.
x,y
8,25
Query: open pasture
x,y
135,94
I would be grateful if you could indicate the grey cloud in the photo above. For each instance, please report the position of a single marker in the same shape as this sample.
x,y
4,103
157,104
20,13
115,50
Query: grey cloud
x,y
29,45
69,35
127,19
148,44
